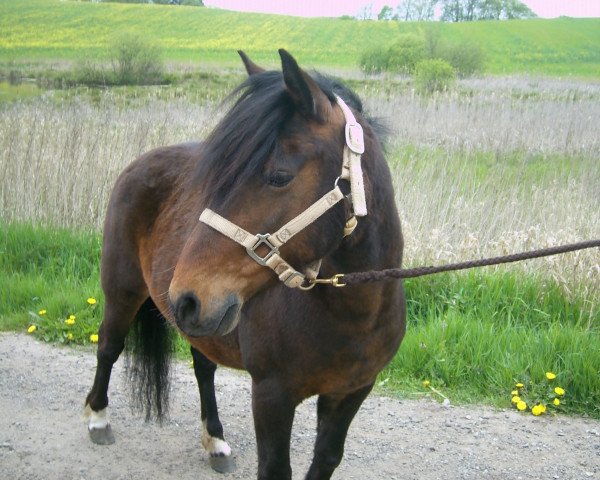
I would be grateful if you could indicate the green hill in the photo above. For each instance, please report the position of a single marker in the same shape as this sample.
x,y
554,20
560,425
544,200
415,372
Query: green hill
x,y
54,29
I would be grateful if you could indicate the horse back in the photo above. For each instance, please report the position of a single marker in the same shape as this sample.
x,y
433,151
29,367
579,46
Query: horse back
x,y
150,185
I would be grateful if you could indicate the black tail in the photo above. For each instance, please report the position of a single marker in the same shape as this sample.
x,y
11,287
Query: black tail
x,y
148,350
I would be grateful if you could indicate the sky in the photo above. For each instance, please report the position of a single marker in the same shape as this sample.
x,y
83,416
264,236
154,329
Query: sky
x,y
336,8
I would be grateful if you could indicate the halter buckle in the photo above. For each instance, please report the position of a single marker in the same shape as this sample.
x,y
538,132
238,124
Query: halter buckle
x,y
263,239
355,138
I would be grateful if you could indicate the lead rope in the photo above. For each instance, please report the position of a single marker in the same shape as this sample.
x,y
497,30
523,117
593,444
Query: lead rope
x,y
343,279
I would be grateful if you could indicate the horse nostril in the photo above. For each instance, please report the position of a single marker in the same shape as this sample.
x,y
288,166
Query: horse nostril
x,y
187,309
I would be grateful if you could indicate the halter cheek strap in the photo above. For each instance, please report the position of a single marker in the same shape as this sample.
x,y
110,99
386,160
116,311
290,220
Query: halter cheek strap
x,y
351,171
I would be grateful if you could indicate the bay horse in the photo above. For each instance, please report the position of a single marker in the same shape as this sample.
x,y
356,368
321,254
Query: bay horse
x,y
294,155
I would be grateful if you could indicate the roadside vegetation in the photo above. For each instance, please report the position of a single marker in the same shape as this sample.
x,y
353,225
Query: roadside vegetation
x,y
487,167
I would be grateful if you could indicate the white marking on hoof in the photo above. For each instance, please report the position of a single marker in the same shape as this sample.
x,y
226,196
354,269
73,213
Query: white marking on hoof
x,y
96,420
213,445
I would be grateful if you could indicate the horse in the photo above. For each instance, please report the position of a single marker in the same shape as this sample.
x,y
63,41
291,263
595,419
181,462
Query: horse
x,y
185,250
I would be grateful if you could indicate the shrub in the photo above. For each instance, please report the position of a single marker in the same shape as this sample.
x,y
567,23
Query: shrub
x,y
374,60
404,55
434,75
401,57
135,61
89,73
466,57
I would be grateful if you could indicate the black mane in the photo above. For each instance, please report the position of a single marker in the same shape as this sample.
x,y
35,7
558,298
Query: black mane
x,y
241,143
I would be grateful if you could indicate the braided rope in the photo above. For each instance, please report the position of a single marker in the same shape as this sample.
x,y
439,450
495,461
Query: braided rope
x,y
397,273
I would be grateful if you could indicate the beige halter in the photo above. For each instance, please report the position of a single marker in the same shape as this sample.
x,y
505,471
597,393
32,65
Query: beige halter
x,y
351,171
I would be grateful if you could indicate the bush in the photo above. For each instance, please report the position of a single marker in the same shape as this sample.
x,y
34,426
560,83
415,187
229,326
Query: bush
x,y
404,55
466,58
434,75
401,57
374,60
136,61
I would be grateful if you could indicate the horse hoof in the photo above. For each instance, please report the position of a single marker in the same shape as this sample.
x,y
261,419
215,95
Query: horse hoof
x,y
222,463
102,436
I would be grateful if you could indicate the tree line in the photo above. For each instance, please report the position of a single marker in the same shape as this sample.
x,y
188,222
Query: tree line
x,y
451,10
193,3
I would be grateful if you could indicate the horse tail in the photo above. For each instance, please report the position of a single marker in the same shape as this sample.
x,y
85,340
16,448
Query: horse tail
x,y
148,351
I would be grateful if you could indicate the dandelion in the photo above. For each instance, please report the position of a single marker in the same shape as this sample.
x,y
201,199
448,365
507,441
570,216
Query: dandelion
x,y
514,392
516,399
556,402
521,405
559,391
42,312
31,329
426,383
94,338
550,375
91,301
70,320
519,385
69,336
538,409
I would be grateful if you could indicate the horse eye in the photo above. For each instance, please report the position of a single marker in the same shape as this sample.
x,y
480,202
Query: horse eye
x,y
279,178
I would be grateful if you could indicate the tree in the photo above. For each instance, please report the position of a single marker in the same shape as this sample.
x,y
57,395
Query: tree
x,y
416,10
386,13
365,13
470,10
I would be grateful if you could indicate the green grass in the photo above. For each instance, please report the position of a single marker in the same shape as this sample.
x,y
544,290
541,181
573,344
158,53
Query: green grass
x,y
49,269
473,335
76,30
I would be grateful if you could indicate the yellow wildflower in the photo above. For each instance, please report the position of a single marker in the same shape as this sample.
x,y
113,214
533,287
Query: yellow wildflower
x,y
521,405
538,409
91,301
69,336
550,375
31,329
42,312
559,391
519,385
514,392
94,338
556,402
426,383
70,320
516,399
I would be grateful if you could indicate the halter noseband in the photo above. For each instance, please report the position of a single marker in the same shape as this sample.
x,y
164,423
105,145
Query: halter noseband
x,y
351,171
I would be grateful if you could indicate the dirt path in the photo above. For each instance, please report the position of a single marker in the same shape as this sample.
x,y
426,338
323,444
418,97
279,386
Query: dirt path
x,y
42,437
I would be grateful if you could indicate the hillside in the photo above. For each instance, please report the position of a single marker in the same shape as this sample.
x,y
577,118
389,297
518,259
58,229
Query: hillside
x,y
54,29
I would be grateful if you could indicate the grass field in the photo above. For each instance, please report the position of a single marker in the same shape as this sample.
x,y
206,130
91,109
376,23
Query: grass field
x,y
53,29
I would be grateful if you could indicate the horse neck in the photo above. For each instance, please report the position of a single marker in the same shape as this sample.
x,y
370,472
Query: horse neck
x,y
376,244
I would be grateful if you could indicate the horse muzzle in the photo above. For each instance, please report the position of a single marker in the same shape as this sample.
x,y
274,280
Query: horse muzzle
x,y
213,318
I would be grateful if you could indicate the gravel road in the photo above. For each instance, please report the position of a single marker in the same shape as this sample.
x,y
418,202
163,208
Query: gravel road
x,y
42,436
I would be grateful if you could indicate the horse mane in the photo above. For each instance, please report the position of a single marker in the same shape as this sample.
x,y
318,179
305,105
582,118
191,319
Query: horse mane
x,y
243,140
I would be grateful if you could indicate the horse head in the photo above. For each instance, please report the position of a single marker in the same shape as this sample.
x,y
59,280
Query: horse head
x,y
281,181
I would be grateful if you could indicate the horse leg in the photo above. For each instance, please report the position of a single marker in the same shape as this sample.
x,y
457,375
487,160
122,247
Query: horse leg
x,y
273,410
213,440
334,413
118,317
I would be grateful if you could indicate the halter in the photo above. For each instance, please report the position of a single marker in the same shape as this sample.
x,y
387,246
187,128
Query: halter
x,y
351,171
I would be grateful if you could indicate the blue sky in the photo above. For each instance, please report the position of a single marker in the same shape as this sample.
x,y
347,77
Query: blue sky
x,y
336,8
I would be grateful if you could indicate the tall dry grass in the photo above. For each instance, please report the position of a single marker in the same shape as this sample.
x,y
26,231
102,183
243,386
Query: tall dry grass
x,y
502,168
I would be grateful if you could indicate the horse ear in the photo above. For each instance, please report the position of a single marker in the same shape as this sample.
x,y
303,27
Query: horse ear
x,y
251,67
308,97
